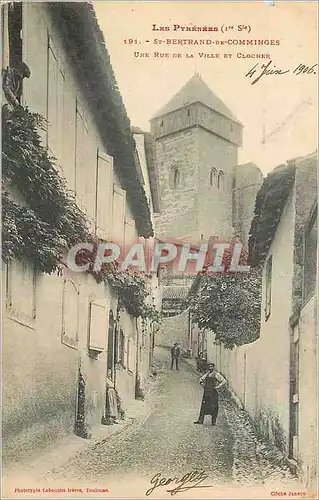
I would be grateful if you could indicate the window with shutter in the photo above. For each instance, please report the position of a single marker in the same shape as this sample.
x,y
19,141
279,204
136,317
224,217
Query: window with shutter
x,y
60,114
55,103
104,196
310,257
118,217
52,105
5,39
70,314
99,314
81,144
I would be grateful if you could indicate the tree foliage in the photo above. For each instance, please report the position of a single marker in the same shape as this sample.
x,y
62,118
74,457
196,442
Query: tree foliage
x,y
229,304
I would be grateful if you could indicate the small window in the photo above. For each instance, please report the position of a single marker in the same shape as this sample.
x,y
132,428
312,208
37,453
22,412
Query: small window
x,y
188,112
174,177
162,123
98,325
220,179
212,177
268,286
310,257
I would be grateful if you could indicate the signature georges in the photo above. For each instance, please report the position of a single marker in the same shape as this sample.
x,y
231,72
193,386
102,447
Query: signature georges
x,y
260,70
195,478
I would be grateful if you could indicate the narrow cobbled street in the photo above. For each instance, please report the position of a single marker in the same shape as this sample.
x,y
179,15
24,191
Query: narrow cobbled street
x,y
168,443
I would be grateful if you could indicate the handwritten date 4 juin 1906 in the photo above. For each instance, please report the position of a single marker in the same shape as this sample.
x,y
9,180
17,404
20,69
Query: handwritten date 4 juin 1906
x,y
260,70
182,483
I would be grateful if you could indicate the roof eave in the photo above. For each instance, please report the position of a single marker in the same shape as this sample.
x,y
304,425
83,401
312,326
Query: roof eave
x,y
89,40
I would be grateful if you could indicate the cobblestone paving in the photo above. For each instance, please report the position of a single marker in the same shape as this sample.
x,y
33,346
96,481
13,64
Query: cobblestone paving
x,y
254,461
168,442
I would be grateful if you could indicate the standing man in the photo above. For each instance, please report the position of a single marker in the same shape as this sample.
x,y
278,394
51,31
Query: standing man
x,y
12,78
175,352
211,381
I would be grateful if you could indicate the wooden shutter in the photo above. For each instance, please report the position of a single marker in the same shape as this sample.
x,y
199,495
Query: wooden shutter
x,y
21,292
52,105
5,35
81,144
99,314
55,105
104,195
69,131
61,132
118,218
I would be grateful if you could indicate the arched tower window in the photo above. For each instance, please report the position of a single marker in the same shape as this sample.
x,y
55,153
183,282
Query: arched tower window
x,y
175,178
220,179
212,177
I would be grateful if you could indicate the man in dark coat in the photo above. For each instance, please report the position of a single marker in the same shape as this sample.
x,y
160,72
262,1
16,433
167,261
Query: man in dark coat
x,y
175,353
12,78
211,381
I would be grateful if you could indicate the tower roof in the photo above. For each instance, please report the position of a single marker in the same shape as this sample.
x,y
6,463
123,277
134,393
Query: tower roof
x,y
196,90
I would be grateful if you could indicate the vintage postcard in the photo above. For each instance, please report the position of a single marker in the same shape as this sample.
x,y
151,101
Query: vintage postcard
x,y
159,249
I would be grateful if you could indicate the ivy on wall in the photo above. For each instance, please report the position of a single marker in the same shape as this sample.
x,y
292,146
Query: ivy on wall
x,y
269,205
48,221
228,303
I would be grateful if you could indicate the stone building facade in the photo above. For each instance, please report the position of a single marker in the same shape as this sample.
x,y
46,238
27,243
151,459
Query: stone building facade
x,y
275,377
204,192
197,138
66,344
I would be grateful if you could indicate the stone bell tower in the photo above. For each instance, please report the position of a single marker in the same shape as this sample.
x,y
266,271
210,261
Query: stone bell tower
x,y
197,138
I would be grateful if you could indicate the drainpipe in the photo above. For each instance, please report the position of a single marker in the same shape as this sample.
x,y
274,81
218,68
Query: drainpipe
x,y
137,358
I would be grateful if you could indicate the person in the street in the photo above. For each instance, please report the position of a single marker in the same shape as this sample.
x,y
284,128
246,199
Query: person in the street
x,y
12,78
175,353
211,381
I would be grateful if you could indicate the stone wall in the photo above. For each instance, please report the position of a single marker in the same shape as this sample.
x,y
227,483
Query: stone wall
x,y
178,217
248,180
174,329
214,203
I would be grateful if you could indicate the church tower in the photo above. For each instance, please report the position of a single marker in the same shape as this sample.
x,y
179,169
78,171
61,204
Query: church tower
x,y
197,138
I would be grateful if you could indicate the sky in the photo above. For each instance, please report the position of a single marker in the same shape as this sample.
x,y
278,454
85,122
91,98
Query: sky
x,y
279,112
